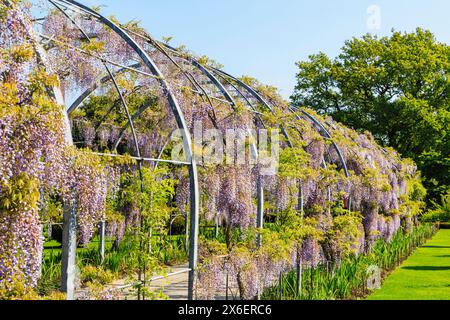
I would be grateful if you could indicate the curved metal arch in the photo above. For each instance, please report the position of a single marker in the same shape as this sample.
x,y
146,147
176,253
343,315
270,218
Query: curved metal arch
x,y
252,91
79,101
113,79
257,96
89,91
327,135
148,62
127,112
259,186
143,108
262,101
224,92
180,54
230,99
191,78
260,191
179,116
86,94
239,92
246,100
162,46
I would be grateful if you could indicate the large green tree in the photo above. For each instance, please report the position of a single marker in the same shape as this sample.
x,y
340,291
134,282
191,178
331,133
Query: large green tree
x,y
396,87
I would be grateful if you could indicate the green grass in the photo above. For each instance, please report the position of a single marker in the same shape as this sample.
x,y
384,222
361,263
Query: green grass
x,y
349,280
424,276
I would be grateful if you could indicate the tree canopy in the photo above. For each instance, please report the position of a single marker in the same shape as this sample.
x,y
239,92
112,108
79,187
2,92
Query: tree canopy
x,y
396,87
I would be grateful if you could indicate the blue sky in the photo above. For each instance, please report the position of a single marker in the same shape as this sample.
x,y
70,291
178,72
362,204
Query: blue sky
x,y
265,38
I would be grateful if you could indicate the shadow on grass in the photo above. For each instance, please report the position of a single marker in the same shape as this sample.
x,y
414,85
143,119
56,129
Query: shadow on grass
x,y
437,247
52,247
427,268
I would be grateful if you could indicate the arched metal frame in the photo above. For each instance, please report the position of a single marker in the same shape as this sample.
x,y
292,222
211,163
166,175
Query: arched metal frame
x,y
218,78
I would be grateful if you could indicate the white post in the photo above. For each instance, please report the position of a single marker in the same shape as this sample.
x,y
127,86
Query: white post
x,y
69,247
101,244
194,227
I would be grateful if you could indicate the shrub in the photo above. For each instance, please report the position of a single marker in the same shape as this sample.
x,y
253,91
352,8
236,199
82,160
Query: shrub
x,y
441,214
92,274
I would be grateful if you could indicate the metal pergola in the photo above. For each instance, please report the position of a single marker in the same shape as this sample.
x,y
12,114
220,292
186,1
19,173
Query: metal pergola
x,y
228,90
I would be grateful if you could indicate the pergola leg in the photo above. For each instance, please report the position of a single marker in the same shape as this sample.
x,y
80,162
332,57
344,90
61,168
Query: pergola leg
x,y
259,216
299,273
301,200
69,251
186,231
216,227
260,209
193,230
101,244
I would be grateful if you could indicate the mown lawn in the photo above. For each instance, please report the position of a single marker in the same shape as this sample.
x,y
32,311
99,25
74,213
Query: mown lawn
x,y
424,276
